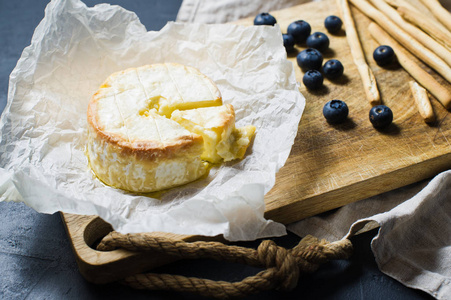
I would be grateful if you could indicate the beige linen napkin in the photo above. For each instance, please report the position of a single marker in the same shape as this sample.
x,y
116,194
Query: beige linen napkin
x,y
413,244
222,11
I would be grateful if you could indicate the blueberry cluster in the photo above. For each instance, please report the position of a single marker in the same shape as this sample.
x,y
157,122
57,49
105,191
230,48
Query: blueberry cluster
x,y
310,60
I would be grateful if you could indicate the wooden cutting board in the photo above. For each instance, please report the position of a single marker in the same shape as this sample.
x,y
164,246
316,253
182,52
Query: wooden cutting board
x,y
329,166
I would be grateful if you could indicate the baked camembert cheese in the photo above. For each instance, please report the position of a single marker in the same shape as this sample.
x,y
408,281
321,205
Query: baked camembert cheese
x,y
159,126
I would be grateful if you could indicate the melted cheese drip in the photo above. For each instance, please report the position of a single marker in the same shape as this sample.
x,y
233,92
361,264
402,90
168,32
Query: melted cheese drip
x,y
222,141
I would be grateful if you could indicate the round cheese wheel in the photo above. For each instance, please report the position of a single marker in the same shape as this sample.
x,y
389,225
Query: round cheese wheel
x,y
132,142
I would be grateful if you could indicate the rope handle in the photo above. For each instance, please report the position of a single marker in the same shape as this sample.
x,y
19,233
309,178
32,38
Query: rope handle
x,y
282,266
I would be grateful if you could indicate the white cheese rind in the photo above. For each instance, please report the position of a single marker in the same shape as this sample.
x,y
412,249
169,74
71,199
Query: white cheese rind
x,y
136,173
132,144
156,127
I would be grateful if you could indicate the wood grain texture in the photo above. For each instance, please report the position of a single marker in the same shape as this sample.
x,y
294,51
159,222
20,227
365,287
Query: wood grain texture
x,y
329,166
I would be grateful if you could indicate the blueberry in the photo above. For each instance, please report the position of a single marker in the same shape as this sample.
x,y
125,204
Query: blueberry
x,y
381,116
335,111
333,69
383,55
264,19
310,59
288,42
333,24
312,79
300,30
319,41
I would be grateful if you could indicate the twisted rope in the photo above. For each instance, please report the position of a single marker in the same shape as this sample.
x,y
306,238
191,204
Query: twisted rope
x,y
282,266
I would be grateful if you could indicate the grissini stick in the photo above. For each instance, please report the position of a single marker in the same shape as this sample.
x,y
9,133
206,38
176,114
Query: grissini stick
x,y
367,76
406,60
424,54
398,3
441,36
429,17
414,31
422,101
439,12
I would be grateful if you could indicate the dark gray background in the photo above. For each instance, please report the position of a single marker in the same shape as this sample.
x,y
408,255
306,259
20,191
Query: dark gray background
x,y
36,259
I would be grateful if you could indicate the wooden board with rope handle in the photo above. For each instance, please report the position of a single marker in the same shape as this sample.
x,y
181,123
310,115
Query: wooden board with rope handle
x,y
131,256
329,166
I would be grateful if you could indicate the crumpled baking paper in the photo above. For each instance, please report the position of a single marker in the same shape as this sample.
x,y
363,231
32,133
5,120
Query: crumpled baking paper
x,y
74,49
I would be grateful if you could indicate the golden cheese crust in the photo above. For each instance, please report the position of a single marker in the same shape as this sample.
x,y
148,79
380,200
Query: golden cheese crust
x,y
132,142
159,126
144,149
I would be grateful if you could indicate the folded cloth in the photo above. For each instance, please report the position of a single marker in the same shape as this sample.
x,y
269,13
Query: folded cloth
x,y
222,11
413,244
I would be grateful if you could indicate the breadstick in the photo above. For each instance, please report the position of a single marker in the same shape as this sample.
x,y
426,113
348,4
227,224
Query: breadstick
x,y
443,37
423,53
439,12
405,59
429,17
422,101
422,37
398,3
367,76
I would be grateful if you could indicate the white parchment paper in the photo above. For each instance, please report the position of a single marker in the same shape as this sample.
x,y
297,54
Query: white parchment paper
x,y
74,49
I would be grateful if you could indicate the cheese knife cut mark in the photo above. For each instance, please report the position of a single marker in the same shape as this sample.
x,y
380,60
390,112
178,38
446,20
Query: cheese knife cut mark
x,y
141,84
122,116
175,84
